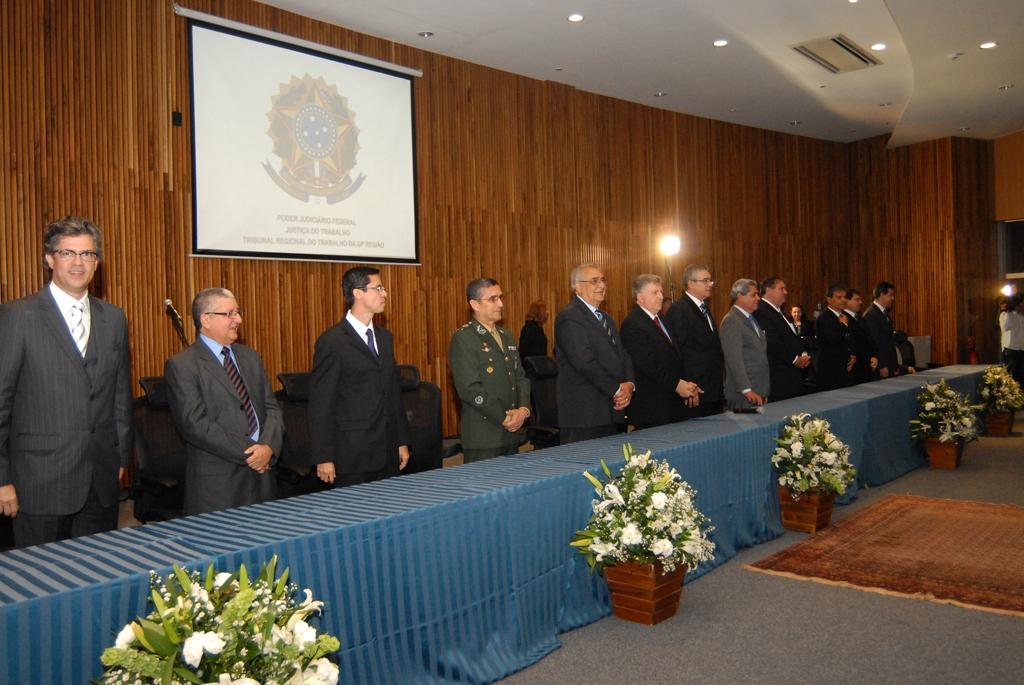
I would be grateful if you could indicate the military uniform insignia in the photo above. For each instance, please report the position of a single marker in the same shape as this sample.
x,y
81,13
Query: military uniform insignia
x,y
481,330
485,347
316,139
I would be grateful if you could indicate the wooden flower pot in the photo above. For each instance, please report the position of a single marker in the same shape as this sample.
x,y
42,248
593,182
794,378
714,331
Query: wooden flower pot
x,y
644,593
944,455
808,514
999,424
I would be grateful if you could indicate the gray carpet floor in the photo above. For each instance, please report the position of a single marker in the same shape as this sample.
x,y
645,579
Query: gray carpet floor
x,y
738,626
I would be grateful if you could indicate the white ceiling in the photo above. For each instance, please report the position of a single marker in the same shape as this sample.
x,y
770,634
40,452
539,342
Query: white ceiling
x,y
630,49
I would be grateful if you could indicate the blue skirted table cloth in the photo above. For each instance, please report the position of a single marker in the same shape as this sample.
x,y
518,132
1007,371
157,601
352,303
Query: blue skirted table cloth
x,y
460,575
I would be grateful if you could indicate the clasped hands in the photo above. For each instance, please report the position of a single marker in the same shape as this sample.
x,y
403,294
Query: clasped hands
x,y
690,392
623,396
514,419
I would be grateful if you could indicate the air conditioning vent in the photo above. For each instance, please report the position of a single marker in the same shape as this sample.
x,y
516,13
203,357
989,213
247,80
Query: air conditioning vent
x,y
837,54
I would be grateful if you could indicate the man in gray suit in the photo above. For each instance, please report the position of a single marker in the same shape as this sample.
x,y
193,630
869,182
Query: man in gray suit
x,y
65,397
225,410
745,347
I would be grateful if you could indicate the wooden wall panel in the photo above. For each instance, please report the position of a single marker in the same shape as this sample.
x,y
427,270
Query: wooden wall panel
x,y
1009,177
518,179
975,245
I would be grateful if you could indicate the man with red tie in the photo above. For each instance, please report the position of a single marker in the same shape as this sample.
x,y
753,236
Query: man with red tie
x,y
662,392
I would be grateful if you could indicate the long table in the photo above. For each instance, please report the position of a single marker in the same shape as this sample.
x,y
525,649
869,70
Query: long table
x,y
456,575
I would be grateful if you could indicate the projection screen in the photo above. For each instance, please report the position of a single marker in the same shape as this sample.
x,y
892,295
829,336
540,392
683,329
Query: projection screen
x,y
299,154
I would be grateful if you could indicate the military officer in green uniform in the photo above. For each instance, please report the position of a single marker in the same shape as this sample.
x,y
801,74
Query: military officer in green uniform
x,y
489,377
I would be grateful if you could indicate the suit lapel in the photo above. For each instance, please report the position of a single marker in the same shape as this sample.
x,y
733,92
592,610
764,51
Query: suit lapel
x,y
213,366
360,344
588,314
58,327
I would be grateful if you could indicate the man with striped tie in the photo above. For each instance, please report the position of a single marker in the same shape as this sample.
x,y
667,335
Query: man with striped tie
x,y
65,397
595,372
225,410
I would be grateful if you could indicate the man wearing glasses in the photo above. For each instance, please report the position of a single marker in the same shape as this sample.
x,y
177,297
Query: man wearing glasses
x,y
225,409
65,397
489,377
595,373
693,327
357,423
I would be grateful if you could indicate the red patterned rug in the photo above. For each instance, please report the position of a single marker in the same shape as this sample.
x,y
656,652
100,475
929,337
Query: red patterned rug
x,y
966,553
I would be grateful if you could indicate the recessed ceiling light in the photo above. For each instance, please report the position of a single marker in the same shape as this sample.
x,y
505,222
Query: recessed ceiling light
x,y
425,34
964,129
989,45
575,17
720,43
955,55
853,2
1006,86
885,104
878,46
732,109
559,68
822,86
660,94
795,122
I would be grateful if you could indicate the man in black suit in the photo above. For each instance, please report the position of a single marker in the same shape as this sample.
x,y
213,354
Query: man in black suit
x,y
357,424
663,393
595,374
878,322
224,407
835,359
693,328
861,344
787,358
65,397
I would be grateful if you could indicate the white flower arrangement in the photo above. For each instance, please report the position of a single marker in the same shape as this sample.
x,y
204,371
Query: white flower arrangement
x,y
224,629
999,391
644,515
810,458
945,414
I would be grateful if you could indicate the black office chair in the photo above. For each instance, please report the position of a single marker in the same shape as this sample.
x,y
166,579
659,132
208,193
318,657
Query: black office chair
x,y
542,429
422,401
905,355
159,489
296,473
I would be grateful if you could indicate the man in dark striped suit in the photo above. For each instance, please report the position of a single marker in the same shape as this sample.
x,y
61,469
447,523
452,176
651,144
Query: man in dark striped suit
x,y
65,397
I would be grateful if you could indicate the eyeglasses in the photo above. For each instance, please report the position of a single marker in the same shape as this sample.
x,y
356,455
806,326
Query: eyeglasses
x,y
705,281
493,299
231,315
379,288
69,255
596,280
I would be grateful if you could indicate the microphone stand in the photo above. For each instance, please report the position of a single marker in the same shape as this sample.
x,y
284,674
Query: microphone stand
x,y
179,326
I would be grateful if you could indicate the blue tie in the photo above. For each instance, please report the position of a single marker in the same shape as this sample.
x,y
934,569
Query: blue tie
x,y
369,341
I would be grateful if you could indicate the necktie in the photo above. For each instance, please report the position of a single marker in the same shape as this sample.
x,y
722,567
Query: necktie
x,y
657,320
369,342
243,394
604,322
707,314
76,317
753,322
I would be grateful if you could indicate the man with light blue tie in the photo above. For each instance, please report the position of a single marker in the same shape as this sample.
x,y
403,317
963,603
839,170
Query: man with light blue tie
x,y
745,348
65,397
225,409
